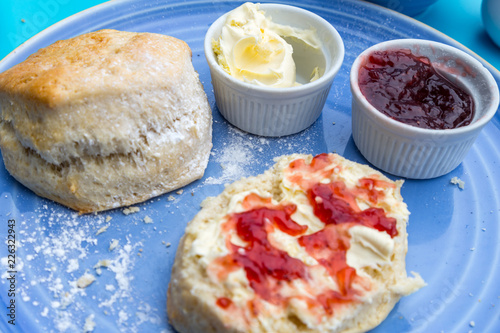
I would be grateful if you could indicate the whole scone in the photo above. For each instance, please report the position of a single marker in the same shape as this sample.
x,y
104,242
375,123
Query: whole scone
x,y
105,119
312,245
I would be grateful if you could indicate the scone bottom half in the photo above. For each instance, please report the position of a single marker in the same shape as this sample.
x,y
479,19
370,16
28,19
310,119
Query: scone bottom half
x,y
315,244
105,119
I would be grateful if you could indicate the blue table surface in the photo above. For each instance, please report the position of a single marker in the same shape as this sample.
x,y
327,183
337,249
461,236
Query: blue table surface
x,y
459,19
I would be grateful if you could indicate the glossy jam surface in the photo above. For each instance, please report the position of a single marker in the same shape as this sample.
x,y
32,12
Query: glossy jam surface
x,y
333,204
263,263
269,269
407,88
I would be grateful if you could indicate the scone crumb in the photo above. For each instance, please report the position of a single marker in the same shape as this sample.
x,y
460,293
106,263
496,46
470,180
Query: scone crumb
x,y
171,198
108,218
85,280
180,192
103,229
113,244
130,210
147,220
102,263
459,182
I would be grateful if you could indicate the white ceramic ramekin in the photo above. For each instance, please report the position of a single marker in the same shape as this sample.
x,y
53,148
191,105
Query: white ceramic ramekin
x,y
276,111
407,151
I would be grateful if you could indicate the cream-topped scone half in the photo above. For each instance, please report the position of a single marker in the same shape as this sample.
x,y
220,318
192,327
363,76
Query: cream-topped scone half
x,y
315,244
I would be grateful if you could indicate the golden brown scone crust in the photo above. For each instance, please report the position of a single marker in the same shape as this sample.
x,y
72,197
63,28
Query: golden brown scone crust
x,y
105,119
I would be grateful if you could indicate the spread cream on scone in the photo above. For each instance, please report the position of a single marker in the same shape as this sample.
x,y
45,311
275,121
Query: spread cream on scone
x,y
309,256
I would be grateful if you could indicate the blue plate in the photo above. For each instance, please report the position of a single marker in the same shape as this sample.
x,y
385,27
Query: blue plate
x,y
454,235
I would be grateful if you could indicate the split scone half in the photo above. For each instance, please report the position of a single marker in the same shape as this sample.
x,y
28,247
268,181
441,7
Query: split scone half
x,y
312,245
106,119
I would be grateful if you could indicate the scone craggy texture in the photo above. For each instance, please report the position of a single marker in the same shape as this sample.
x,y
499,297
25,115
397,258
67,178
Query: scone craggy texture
x,y
105,119
213,287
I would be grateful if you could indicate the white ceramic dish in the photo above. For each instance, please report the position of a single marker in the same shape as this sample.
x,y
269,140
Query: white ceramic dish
x,y
277,111
407,151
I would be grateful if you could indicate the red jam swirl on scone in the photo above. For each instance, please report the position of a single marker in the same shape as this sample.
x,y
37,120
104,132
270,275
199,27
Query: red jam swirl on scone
x,y
271,270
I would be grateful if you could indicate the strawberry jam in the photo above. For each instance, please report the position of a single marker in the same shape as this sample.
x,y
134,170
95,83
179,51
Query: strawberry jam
x,y
334,204
407,88
263,262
